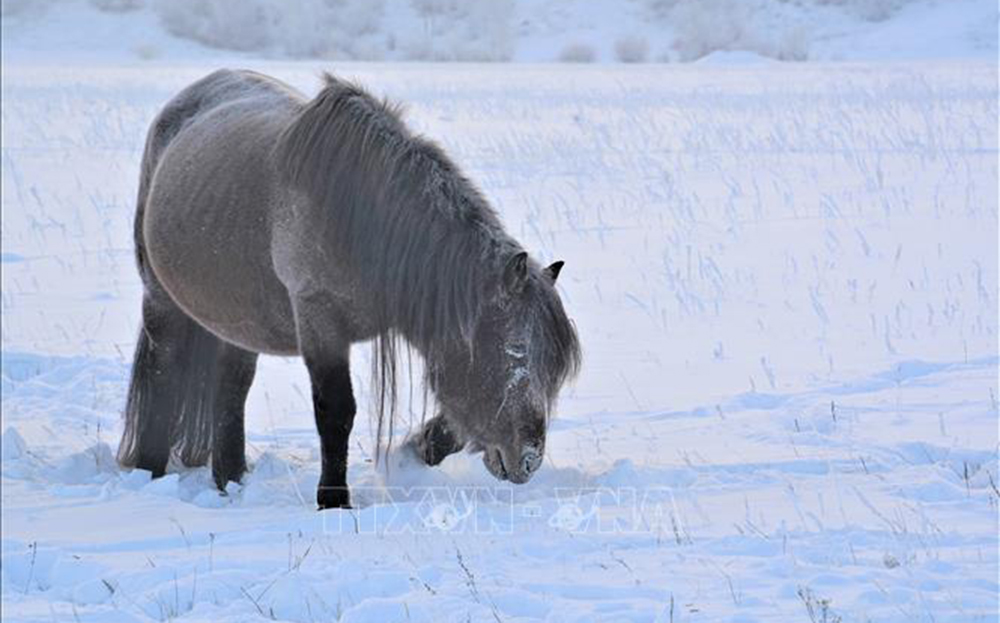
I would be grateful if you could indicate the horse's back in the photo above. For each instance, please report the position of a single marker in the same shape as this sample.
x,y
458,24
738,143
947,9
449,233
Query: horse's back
x,y
212,194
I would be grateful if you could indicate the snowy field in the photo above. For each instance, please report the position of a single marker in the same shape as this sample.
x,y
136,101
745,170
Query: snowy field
x,y
784,276
785,281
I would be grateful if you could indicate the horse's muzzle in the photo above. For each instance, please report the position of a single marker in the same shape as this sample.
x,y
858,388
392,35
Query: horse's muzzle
x,y
517,470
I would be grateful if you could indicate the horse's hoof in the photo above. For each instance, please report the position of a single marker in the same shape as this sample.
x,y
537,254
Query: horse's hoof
x,y
222,484
333,497
345,507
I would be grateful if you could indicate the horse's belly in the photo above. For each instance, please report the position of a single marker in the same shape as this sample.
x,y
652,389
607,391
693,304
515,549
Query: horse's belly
x,y
211,252
247,317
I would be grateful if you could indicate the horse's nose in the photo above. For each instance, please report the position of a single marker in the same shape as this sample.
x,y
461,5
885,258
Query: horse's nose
x,y
513,466
531,460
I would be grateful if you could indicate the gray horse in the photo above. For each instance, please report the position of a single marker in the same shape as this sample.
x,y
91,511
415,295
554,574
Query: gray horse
x,y
269,223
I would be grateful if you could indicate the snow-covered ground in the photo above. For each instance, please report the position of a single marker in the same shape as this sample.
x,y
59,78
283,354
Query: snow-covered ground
x,y
785,280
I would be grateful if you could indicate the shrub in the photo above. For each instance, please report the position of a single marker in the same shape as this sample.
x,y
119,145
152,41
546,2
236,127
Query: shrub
x,y
577,53
631,49
15,7
232,24
117,6
705,26
463,31
306,28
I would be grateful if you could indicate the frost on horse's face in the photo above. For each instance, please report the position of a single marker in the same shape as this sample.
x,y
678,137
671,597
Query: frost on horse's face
x,y
499,392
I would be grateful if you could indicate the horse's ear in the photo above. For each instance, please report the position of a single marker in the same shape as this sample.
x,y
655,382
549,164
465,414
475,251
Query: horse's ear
x,y
552,271
516,272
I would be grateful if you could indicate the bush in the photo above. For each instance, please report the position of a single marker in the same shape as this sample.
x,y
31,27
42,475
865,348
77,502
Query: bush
x,y
232,24
306,28
871,10
462,31
117,6
631,49
16,7
705,26
577,53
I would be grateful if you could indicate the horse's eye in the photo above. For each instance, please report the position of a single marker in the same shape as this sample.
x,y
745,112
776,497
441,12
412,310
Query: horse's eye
x,y
517,351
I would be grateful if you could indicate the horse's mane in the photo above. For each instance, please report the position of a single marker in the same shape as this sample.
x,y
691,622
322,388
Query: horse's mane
x,y
404,217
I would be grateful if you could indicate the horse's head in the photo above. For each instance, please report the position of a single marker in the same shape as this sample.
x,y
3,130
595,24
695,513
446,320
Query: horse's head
x,y
499,393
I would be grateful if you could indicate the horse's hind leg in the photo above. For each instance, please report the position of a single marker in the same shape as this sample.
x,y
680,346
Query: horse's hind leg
x,y
186,393
154,400
435,440
236,372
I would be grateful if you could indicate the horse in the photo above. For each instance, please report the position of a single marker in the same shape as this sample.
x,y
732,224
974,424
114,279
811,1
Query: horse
x,y
268,222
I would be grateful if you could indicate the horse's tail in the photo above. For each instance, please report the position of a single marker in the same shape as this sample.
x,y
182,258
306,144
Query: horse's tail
x,y
176,369
138,427
176,388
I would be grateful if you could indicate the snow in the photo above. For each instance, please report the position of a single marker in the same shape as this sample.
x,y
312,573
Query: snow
x,y
784,276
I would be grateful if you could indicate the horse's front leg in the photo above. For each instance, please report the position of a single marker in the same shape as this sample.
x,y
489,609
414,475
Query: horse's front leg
x,y
435,440
334,407
326,351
